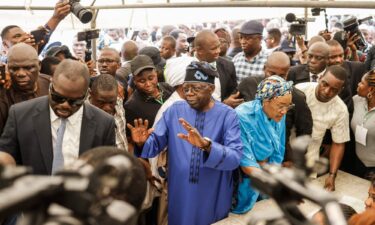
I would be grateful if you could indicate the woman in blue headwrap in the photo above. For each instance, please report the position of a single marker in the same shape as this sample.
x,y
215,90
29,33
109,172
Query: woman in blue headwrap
x,y
262,123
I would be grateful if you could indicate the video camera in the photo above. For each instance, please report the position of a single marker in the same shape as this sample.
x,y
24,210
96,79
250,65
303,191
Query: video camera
x,y
289,186
71,197
87,36
351,25
79,11
298,26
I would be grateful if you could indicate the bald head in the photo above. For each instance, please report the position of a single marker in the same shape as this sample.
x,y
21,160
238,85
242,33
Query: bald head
x,y
314,40
321,47
23,66
207,46
317,57
72,70
21,52
203,37
278,63
129,50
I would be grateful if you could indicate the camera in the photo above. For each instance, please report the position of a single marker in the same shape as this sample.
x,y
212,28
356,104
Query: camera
x,y
351,25
82,195
79,11
88,36
298,26
289,186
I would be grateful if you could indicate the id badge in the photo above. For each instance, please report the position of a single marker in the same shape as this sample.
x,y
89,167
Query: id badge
x,y
360,135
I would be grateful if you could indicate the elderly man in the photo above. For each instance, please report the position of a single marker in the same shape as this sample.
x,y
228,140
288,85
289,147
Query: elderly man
x,y
200,161
48,133
26,81
329,113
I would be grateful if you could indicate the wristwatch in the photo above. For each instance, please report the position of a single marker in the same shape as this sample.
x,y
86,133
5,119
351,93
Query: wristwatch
x,y
208,146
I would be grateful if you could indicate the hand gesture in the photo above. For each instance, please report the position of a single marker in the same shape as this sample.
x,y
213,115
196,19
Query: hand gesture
x,y
62,9
351,41
139,132
330,183
234,100
193,136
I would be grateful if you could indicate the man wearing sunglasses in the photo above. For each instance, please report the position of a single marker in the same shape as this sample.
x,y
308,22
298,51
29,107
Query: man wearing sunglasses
x,y
204,146
50,132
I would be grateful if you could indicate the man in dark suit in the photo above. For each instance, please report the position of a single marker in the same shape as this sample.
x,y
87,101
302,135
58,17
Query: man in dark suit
x,y
317,62
356,70
207,48
47,133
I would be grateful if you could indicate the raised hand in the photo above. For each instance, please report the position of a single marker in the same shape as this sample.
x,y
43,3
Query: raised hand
x,y
139,132
193,136
62,9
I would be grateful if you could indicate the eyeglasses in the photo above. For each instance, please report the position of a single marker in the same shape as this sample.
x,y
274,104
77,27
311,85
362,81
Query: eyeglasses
x,y
59,99
285,108
194,89
108,61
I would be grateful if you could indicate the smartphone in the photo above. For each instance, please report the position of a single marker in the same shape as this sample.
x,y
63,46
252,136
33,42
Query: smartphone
x,y
134,36
39,35
88,35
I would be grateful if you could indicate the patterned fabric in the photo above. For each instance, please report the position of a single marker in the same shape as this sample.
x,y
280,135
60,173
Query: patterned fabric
x,y
273,86
254,67
263,140
120,122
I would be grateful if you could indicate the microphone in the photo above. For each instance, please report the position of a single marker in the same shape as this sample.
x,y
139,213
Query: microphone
x,y
290,17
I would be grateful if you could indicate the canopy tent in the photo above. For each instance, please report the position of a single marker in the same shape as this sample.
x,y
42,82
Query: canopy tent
x,y
136,14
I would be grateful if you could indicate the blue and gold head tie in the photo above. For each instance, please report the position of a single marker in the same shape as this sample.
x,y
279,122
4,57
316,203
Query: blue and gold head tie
x,y
273,86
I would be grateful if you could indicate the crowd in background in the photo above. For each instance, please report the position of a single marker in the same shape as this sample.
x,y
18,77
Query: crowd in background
x,y
202,107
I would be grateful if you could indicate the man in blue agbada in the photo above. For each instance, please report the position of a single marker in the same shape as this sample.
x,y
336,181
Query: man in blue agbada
x,y
200,183
262,123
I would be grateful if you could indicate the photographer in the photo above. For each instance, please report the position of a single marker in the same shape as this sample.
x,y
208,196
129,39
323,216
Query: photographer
x,y
13,34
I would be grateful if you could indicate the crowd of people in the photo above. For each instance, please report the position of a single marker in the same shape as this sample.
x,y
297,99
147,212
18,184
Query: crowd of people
x,y
200,108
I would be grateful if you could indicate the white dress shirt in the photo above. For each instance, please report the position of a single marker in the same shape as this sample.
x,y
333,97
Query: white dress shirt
x,y
71,141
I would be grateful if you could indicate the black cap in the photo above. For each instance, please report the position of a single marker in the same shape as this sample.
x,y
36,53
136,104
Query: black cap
x,y
140,63
200,72
154,54
251,27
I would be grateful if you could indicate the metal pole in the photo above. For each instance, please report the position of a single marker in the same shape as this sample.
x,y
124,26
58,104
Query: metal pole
x,y
289,4
95,12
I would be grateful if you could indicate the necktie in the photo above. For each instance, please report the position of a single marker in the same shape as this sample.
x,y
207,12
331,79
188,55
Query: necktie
x,y
314,78
58,158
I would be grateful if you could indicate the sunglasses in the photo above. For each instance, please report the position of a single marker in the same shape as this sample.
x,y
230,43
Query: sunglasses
x,y
59,99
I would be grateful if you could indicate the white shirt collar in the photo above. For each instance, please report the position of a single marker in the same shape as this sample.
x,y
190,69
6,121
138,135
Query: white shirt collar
x,y
71,119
